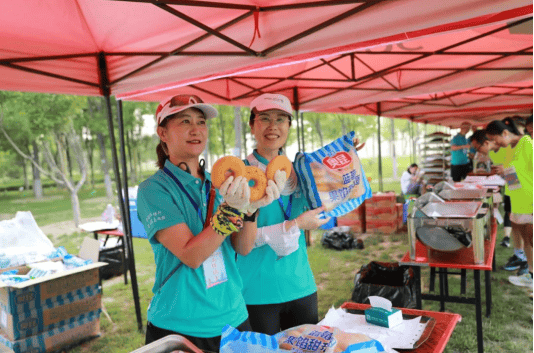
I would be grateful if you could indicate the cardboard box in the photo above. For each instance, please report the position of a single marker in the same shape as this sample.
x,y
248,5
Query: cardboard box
x,y
39,293
387,199
50,341
357,214
355,226
383,317
59,313
34,294
385,227
381,213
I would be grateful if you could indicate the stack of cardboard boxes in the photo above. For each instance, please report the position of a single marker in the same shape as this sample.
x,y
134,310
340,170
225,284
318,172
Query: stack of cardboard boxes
x,y
354,219
381,213
48,313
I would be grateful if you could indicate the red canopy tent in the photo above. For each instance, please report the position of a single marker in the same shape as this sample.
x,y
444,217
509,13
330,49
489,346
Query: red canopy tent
x,y
104,47
476,74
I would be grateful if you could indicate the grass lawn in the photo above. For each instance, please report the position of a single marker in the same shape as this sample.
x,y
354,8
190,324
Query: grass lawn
x,y
509,329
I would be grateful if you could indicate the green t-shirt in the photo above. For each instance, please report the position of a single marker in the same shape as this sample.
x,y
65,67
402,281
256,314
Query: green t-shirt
x,y
268,279
503,156
184,303
521,199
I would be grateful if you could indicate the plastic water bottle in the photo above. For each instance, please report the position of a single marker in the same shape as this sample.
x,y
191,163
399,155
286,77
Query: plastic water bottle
x,y
71,261
59,252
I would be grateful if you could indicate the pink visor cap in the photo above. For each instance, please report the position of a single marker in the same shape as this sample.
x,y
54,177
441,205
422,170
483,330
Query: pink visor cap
x,y
181,102
270,101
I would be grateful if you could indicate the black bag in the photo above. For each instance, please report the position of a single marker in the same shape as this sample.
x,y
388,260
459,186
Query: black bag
x,y
338,240
113,256
386,280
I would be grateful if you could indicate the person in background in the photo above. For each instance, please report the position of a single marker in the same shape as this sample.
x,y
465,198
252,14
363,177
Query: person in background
x,y
472,151
519,179
193,234
528,126
278,283
501,158
411,181
459,154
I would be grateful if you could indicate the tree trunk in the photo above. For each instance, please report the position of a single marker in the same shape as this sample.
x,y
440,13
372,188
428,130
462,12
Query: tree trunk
x,y
223,140
75,203
237,127
89,147
25,173
392,149
133,172
105,166
37,185
319,131
244,127
67,153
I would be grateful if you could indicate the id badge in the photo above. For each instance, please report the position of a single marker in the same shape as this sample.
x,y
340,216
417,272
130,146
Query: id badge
x,y
214,269
510,175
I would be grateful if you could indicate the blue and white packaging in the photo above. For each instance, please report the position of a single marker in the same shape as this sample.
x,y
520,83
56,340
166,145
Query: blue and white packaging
x,y
333,177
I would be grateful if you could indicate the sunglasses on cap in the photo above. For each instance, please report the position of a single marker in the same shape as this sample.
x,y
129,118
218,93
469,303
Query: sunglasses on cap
x,y
181,102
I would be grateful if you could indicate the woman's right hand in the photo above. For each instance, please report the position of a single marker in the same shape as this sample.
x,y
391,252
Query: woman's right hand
x,y
236,192
310,220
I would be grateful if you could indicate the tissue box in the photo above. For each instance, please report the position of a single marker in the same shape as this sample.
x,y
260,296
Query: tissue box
x,y
383,317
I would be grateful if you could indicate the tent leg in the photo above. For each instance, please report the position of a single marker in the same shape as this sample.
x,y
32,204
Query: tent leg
x,y
380,180
118,181
128,222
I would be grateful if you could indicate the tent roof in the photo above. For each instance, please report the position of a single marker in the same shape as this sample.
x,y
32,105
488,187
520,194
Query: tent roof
x,y
96,47
477,74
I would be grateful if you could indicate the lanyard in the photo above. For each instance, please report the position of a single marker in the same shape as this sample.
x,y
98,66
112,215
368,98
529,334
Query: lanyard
x,y
193,203
287,211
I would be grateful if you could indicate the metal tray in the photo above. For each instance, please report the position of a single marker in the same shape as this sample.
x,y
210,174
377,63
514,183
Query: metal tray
x,y
463,194
429,321
168,344
468,209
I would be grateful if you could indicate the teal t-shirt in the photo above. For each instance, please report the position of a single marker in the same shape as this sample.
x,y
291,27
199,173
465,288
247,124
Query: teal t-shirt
x,y
184,303
459,157
268,279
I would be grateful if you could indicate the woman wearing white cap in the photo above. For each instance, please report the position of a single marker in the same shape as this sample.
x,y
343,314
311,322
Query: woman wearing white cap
x,y
278,283
194,236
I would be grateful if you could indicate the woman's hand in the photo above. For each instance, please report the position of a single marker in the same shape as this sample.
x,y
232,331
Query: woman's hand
x,y
355,142
271,193
498,169
236,192
310,220
280,178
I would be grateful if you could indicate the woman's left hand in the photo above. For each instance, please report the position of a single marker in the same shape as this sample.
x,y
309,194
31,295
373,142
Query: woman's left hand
x,y
236,193
271,193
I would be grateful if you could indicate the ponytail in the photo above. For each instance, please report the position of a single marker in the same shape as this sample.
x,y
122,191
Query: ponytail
x,y
161,151
496,127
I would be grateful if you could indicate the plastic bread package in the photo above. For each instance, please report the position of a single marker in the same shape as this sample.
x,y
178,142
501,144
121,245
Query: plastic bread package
x,y
300,339
333,177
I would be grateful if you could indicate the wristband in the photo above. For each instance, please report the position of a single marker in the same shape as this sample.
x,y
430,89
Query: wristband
x,y
226,220
252,218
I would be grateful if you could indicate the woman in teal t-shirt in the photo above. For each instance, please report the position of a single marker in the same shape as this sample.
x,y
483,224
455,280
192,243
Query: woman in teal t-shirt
x,y
197,287
519,180
278,284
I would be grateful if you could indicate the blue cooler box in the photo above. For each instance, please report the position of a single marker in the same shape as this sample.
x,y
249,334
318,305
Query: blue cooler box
x,y
138,230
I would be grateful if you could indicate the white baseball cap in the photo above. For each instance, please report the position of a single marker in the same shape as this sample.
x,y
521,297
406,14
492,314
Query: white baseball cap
x,y
181,102
268,101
